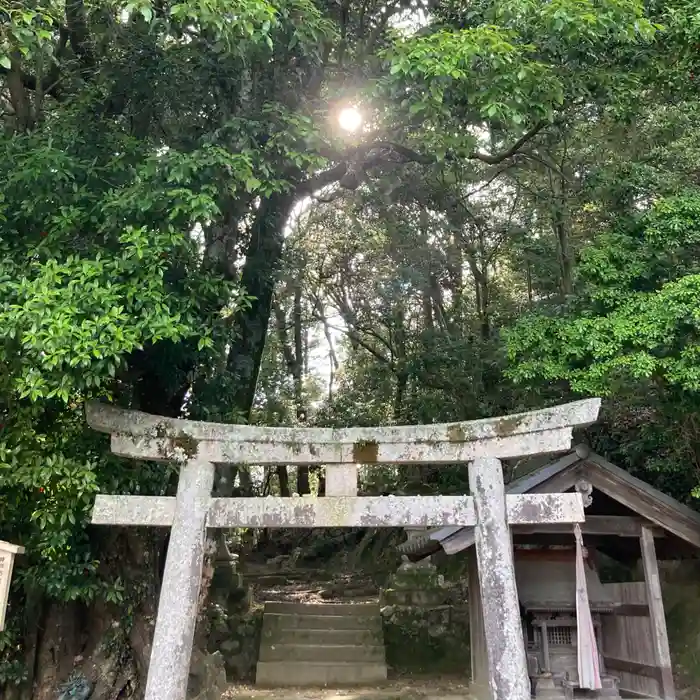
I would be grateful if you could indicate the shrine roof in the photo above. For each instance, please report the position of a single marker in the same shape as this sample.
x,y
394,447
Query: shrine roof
x,y
562,475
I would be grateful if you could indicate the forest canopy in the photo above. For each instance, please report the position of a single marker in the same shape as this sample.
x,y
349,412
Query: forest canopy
x,y
186,229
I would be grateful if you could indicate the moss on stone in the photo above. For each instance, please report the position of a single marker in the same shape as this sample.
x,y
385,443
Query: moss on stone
x,y
188,444
456,433
365,451
427,640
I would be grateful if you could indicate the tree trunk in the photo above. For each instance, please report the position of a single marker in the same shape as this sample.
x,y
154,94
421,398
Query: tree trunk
x,y
481,295
94,639
561,228
399,395
283,477
566,265
303,486
295,357
263,256
428,323
19,97
332,356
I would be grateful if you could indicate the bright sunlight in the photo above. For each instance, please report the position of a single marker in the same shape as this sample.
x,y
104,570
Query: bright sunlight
x,y
350,119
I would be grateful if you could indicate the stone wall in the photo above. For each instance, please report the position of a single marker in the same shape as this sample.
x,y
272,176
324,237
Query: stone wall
x,y
426,624
235,624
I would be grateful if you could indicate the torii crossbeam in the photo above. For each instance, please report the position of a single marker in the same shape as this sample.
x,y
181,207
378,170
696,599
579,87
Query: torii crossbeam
x,y
199,446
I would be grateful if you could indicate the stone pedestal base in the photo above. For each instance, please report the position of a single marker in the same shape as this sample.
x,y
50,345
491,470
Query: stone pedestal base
x,y
547,689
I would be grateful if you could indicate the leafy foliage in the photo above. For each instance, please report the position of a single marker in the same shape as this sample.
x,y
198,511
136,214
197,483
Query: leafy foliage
x,y
519,204
637,318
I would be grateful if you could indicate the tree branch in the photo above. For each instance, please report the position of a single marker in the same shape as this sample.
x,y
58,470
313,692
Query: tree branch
x,y
357,161
355,335
76,18
509,152
49,82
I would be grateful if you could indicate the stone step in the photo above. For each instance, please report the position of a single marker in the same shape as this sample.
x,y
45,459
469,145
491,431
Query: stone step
x,y
322,636
322,653
277,621
334,609
293,673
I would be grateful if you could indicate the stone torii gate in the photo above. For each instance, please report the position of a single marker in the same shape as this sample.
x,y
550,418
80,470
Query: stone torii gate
x,y
199,446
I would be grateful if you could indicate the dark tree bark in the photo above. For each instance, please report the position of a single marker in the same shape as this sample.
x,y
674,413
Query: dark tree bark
x,y
283,477
263,256
566,263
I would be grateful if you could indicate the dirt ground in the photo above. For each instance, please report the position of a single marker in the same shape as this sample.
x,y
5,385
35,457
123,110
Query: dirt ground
x,y
394,690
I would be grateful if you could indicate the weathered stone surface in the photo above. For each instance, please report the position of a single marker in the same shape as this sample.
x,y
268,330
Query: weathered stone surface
x,y
360,511
235,631
142,435
504,636
108,419
272,453
207,677
326,653
426,624
546,689
430,639
331,637
288,607
550,508
341,511
276,621
293,674
417,576
156,511
341,480
293,644
177,605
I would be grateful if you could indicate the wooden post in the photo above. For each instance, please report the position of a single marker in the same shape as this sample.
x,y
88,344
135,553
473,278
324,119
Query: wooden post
x,y
544,632
505,645
7,560
169,668
662,652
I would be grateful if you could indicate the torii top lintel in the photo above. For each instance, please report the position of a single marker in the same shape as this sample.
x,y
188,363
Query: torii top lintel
x,y
144,436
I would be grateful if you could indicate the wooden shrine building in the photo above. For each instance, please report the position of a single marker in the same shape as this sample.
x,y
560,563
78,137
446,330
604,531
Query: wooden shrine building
x,y
627,521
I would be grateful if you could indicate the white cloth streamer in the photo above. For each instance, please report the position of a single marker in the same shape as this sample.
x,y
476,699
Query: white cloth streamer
x,y
588,659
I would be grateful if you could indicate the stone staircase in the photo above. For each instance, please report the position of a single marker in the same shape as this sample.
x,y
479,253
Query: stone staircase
x,y
321,644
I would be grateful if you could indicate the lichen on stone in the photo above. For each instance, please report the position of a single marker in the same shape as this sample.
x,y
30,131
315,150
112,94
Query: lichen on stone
x,y
456,433
508,425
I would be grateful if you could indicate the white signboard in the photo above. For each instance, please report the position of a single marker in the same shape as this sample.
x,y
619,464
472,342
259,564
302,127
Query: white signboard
x,y
7,560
